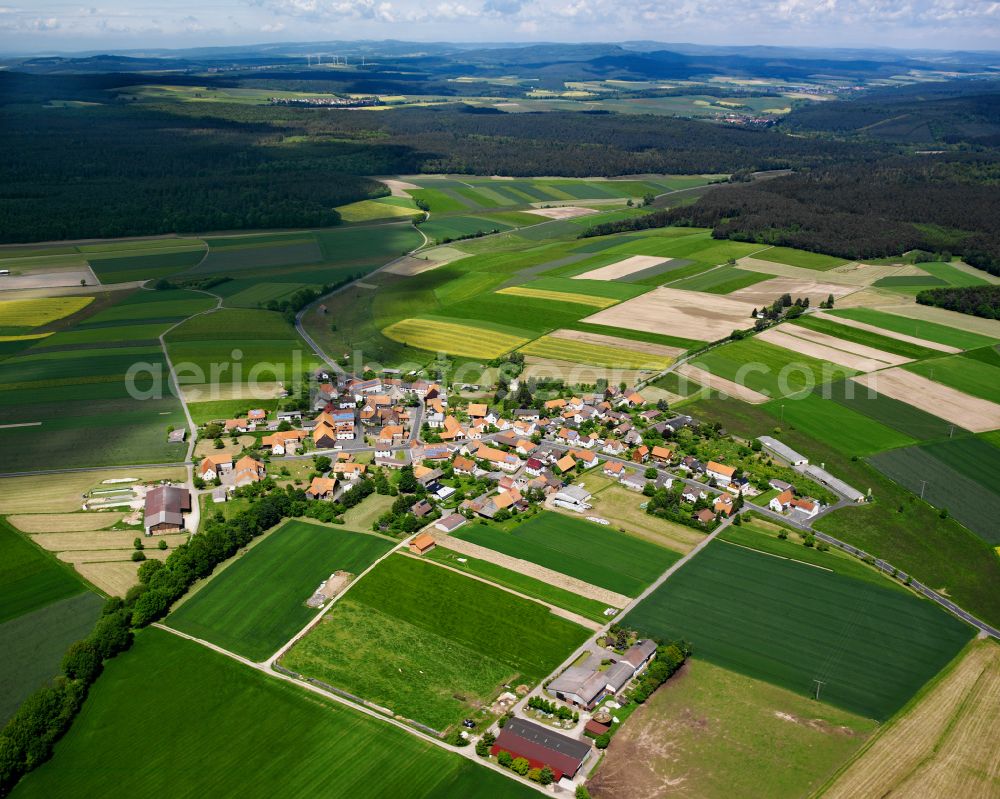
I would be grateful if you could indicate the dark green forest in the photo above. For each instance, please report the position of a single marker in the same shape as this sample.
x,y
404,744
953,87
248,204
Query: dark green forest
x,y
981,301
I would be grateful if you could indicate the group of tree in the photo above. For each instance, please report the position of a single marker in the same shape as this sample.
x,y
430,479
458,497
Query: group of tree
x,y
981,301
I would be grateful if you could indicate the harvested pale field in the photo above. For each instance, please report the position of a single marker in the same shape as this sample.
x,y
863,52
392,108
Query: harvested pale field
x,y
111,540
707,379
549,576
869,298
797,272
615,341
577,373
49,280
210,392
637,263
65,522
33,494
972,413
768,291
932,345
410,265
830,348
398,188
869,273
674,312
559,296
561,212
453,338
945,746
959,321
79,556
114,578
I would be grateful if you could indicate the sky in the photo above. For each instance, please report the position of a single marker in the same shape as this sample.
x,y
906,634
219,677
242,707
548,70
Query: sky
x,y
47,26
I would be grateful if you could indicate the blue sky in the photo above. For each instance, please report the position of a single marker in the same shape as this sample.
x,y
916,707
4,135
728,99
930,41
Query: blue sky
x,y
43,25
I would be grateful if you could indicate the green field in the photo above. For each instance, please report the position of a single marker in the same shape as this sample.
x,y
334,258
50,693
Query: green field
x,y
900,416
792,624
521,583
866,337
723,280
956,475
807,260
215,716
35,642
951,275
446,228
144,264
769,369
973,375
258,602
843,427
930,331
211,410
430,644
590,552
29,577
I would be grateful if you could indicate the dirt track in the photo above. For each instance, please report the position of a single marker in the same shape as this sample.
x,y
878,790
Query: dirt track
x,y
972,413
532,570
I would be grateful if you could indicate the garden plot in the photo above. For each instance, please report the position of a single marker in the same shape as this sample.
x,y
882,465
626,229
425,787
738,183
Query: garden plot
x,y
674,312
972,413
562,212
620,269
931,345
767,292
829,348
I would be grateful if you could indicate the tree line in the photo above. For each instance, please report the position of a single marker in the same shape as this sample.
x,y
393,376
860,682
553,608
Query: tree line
x,y
981,301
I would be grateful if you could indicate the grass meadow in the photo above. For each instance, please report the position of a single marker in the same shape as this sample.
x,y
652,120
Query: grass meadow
x,y
972,375
866,337
430,644
257,602
205,718
590,552
791,624
802,258
721,734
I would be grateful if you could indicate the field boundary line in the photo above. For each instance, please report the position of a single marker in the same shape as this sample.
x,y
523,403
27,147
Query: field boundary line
x,y
775,555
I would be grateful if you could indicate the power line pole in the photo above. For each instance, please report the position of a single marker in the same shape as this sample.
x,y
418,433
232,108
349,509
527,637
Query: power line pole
x,y
819,684
923,485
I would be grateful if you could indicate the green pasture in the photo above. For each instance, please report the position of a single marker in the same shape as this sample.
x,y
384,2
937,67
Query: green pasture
x,y
431,644
931,331
866,337
769,369
847,430
907,419
521,583
230,716
724,280
871,648
257,603
802,258
590,552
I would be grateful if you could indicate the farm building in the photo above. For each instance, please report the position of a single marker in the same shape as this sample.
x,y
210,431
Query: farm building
x,y
823,477
213,466
585,687
165,508
541,746
450,523
782,451
573,498
422,544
